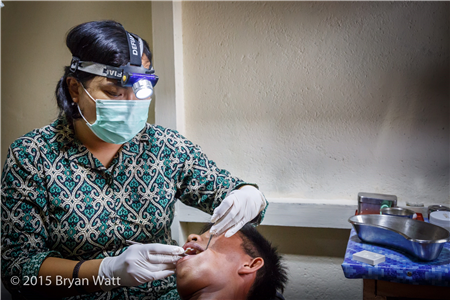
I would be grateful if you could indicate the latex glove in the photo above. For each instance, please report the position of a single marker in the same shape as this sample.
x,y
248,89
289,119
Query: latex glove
x,y
237,209
139,264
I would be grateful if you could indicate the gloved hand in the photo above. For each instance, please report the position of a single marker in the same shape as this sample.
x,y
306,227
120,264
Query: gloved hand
x,y
139,264
237,209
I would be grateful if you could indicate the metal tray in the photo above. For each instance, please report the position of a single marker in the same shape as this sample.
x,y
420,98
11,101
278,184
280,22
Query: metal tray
x,y
423,240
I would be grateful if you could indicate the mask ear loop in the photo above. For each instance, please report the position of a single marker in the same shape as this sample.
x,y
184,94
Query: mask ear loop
x,y
79,110
92,98
81,114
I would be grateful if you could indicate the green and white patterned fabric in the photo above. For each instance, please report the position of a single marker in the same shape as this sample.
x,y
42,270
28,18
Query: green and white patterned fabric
x,y
58,200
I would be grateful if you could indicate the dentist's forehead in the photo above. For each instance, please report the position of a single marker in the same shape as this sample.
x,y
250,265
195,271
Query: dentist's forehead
x,y
145,61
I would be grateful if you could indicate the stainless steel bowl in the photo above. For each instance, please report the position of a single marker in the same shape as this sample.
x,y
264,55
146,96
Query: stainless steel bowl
x,y
423,240
397,211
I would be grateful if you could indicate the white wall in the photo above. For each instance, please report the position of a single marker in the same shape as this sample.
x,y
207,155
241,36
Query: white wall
x,y
315,102
322,100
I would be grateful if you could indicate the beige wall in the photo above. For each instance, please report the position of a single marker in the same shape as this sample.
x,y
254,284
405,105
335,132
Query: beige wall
x,y
322,100
317,101
34,54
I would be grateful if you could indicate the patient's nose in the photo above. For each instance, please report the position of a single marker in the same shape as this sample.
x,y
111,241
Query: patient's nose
x,y
194,238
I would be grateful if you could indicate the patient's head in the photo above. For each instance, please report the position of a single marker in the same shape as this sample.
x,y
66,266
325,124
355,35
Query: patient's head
x,y
244,266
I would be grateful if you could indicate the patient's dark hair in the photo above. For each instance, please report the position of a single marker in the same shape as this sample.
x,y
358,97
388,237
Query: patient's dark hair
x,y
103,42
272,277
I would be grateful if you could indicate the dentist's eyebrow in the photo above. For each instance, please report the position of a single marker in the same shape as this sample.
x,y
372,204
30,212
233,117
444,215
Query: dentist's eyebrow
x,y
112,82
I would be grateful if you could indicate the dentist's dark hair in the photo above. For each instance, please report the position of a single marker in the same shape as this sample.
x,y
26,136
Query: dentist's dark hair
x,y
103,42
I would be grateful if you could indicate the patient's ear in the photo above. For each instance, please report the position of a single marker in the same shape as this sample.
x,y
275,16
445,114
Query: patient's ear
x,y
252,266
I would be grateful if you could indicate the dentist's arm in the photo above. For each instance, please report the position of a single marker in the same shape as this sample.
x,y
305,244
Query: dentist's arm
x,y
56,275
138,264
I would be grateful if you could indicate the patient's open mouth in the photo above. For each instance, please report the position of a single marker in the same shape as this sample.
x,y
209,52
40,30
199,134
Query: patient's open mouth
x,y
192,248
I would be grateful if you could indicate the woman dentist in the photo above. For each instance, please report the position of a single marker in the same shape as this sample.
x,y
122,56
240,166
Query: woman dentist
x,y
77,190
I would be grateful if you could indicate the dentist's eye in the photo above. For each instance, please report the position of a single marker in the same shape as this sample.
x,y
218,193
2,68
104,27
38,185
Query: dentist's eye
x,y
113,94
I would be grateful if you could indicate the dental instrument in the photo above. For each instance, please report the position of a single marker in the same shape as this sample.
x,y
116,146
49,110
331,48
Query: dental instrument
x,y
132,242
210,237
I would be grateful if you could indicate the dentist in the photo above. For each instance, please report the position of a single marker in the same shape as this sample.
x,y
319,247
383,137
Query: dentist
x,y
75,191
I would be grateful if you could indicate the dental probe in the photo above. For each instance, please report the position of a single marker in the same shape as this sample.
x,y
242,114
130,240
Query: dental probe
x,y
137,243
210,237
132,242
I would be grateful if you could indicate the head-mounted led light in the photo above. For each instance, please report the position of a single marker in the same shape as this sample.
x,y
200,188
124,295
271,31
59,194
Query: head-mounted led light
x,y
142,84
143,89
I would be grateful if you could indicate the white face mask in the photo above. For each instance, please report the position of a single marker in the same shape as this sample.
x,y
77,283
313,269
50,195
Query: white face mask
x,y
118,121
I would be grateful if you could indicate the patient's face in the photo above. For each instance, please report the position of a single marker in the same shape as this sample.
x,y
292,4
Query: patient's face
x,y
215,268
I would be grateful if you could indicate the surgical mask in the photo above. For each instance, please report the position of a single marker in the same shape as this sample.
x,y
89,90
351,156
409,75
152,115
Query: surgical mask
x,y
118,121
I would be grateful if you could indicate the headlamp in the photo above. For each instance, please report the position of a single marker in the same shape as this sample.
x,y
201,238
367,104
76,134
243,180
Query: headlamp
x,y
142,84
142,80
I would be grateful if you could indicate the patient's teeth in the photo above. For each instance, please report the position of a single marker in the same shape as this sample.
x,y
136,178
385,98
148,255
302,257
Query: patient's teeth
x,y
192,251
189,250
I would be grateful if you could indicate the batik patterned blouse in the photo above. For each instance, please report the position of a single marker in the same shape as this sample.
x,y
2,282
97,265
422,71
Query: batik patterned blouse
x,y
58,200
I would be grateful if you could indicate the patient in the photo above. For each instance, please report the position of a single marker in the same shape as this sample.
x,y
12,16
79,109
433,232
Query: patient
x,y
244,266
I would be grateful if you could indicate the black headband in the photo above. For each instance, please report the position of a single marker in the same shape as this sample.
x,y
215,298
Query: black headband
x,y
135,46
135,49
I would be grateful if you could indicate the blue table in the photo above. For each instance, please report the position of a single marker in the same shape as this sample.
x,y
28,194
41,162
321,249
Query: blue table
x,y
399,266
400,272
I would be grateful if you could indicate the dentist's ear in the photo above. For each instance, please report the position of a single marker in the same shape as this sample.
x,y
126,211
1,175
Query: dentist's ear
x,y
73,86
252,266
